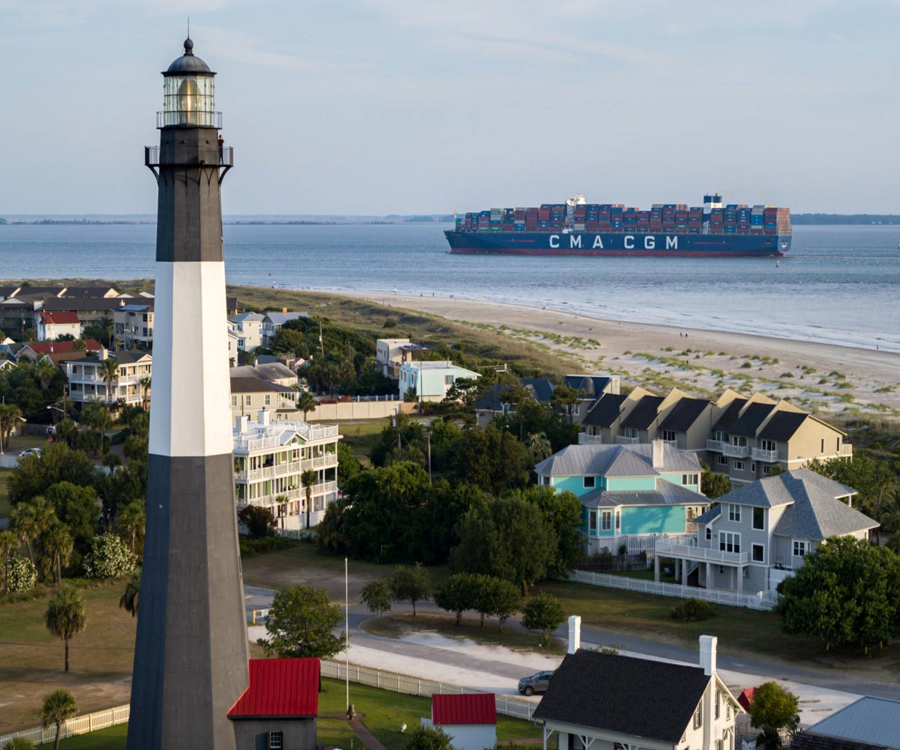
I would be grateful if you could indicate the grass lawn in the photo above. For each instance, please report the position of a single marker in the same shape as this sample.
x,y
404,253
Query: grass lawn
x,y
644,575
396,626
5,506
383,712
303,564
31,660
21,442
361,435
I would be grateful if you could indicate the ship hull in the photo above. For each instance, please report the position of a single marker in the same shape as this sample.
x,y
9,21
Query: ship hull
x,y
618,244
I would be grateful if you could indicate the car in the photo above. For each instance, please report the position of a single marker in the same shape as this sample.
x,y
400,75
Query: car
x,y
30,452
537,683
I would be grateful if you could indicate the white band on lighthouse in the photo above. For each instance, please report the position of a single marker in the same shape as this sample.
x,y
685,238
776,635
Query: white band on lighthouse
x,y
190,338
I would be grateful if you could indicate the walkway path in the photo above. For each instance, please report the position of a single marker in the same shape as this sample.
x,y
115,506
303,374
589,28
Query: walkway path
x,y
369,739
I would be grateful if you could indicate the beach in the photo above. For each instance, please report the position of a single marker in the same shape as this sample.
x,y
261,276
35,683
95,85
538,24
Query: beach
x,y
823,377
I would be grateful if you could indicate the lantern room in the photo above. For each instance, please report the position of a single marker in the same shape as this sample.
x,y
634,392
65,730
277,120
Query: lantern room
x,y
189,99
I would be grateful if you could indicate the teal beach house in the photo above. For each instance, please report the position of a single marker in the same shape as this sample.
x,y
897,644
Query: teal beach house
x,y
631,494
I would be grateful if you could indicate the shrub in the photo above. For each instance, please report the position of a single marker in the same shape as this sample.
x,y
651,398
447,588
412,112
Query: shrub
x,y
692,610
109,558
259,521
22,575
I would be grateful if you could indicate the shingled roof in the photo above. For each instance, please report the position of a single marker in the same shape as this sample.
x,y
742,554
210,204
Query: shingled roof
x,y
605,410
644,412
730,415
610,692
683,415
748,423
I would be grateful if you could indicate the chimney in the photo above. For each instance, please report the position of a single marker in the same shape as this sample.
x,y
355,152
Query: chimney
x,y
574,634
708,654
264,417
659,448
284,309
240,422
103,354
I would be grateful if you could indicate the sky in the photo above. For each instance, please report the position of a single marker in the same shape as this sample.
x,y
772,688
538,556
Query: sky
x,y
426,106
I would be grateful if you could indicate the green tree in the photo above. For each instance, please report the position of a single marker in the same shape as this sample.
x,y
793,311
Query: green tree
x,y
145,384
376,595
565,399
110,373
309,479
774,709
44,371
871,478
562,511
497,598
847,591
131,522
66,431
539,446
259,521
411,584
301,624
25,526
289,341
713,484
543,613
458,593
109,558
58,545
492,460
78,507
131,598
507,538
10,418
65,616
9,544
429,738
57,708
348,464
56,463
330,534
306,402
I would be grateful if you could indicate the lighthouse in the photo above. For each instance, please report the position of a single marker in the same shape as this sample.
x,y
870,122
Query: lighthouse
x,y
190,662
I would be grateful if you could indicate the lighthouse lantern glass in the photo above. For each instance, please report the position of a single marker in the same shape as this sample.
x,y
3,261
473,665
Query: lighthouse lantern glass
x,y
190,101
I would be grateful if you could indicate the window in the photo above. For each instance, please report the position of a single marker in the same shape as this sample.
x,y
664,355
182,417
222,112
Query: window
x,y
448,380
276,740
753,468
718,703
766,469
738,465
734,513
799,548
729,541
669,435
247,400
618,521
690,478
590,482
722,460
606,520
592,520
739,441
698,716
268,399
631,432
759,519
823,446
768,445
838,445
758,553
234,401
708,533
545,481
720,436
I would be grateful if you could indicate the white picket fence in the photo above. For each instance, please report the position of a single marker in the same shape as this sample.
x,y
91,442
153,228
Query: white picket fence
x,y
760,601
396,683
79,725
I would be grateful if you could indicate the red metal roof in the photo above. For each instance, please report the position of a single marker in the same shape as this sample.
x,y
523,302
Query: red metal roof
x,y
469,708
61,317
746,698
62,347
280,687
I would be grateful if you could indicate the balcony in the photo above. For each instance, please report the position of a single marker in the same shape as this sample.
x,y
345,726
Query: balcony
x,y
622,440
586,439
714,445
736,451
763,455
152,159
690,551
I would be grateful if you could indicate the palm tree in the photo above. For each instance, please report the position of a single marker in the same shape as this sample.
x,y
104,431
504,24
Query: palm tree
x,y
65,616
282,502
132,522
131,599
58,707
308,478
539,446
145,392
67,431
24,526
9,543
306,402
44,370
58,545
10,416
110,372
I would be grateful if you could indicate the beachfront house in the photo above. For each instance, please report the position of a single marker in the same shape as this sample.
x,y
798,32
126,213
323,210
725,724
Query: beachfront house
x,y
134,325
273,321
392,354
88,380
430,381
589,388
759,533
52,325
495,402
270,457
252,391
630,494
248,329
599,701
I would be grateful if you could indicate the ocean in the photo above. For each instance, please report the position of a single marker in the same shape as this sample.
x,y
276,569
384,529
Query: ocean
x,y
839,284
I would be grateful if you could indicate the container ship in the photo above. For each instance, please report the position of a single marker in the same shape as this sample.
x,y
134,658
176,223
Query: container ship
x,y
580,228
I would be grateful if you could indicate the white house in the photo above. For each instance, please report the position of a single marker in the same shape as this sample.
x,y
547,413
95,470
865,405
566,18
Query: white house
x,y
269,460
87,378
760,533
431,380
52,325
134,325
599,701
248,327
273,321
470,719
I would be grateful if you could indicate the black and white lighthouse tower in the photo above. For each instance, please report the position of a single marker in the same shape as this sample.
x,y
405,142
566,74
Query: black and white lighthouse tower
x,y
190,662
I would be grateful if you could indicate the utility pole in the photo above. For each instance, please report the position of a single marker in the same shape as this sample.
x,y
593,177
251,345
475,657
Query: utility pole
x,y
430,481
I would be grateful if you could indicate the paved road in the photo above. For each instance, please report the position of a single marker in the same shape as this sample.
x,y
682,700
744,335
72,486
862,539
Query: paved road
x,y
836,680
